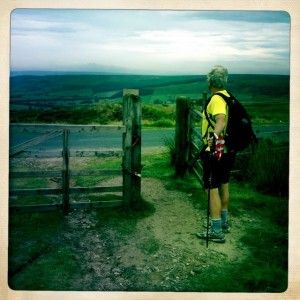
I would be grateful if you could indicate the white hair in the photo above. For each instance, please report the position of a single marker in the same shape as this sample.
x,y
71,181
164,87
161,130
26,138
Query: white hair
x,y
218,76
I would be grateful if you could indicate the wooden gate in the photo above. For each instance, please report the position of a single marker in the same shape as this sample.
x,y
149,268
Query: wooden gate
x,y
130,168
188,139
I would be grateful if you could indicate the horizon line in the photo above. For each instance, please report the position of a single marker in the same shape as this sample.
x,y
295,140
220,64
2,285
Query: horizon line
x,y
60,73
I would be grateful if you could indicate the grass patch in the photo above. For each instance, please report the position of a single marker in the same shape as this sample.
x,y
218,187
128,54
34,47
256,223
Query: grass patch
x,y
105,197
163,123
149,246
30,235
124,220
169,142
26,183
137,211
156,165
34,200
267,170
270,168
265,269
59,261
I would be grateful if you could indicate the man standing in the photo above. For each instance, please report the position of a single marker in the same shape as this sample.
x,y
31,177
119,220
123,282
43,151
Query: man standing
x,y
218,161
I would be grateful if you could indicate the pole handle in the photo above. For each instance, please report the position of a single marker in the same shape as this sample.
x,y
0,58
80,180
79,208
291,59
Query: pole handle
x,y
211,148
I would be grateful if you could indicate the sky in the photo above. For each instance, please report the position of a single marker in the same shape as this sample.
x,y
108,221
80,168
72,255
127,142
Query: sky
x,y
160,42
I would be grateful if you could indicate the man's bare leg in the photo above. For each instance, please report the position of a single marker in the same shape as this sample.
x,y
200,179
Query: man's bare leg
x,y
224,195
215,210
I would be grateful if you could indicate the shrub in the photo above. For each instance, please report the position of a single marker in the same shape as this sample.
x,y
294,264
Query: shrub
x,y
163,123
156,113
108,112
270,168
170,144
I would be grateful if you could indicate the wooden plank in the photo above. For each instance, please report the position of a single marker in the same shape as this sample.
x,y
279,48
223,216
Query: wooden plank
x,y
73,153
127,142
199,165
74,173
45,128
96,153
31,192
33,142
198,176
39,154
34,208
25,174
182,136
65,172
197,133
57,191
136,166
98,204
195,114
98,189
194,147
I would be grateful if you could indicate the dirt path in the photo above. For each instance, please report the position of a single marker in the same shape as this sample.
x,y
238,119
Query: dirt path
x,y
161,254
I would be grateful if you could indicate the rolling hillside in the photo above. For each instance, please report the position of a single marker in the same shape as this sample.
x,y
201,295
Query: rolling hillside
x,y
60,91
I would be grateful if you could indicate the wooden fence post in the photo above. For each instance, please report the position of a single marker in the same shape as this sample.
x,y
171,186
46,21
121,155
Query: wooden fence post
x,y
182,136
65,172
136,155
191,126
132,113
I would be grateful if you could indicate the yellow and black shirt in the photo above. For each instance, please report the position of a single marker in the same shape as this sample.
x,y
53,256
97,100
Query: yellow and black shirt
x,y
216,105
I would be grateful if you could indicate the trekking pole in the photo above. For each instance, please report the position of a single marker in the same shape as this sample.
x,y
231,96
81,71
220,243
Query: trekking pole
x,y
209,187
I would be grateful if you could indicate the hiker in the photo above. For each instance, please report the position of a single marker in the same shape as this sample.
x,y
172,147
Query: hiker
x,y
217,160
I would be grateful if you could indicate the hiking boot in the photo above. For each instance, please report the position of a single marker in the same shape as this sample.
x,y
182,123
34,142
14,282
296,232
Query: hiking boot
x,y
212,236
225,226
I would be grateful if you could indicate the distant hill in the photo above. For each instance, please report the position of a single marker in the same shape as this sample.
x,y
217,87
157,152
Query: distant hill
x,y
58,89
59,73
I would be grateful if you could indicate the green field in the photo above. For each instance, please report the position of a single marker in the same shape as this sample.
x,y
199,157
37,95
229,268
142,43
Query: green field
x,y
84,89
64,90
66,95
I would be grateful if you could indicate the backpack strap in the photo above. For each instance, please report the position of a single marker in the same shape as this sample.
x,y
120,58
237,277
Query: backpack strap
x,y
254,140
207,118
225,98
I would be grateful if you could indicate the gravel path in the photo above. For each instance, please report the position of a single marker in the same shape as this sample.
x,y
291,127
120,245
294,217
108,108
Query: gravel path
x,y
161,254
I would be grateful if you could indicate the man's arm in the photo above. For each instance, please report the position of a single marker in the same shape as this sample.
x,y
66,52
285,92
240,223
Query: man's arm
x,y
219,127
220,123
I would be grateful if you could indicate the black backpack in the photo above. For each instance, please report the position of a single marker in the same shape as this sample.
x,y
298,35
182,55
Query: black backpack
x,y
239,133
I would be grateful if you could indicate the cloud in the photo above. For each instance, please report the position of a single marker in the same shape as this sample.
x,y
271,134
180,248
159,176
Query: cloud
x,y
153,41
240,16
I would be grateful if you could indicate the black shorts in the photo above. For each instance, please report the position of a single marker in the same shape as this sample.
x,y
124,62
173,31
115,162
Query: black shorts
x,y
218,169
